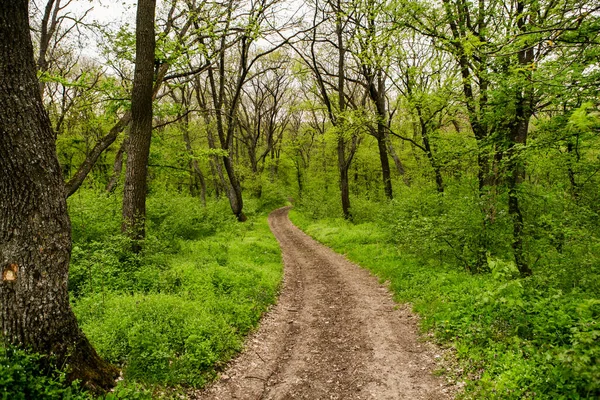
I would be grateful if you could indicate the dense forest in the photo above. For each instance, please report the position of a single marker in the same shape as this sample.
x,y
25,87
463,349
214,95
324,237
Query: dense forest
x,y
452,147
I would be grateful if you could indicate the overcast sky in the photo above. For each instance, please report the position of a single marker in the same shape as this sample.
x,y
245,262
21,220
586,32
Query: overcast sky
x,y
107,11
112,13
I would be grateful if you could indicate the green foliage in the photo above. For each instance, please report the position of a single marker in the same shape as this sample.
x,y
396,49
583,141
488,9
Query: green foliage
x,y
25,375
174,314
272,196
515,338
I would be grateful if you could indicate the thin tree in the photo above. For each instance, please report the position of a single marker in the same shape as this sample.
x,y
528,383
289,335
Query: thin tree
x,y
134,194
373,37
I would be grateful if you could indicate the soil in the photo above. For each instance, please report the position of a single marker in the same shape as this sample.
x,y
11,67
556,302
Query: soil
x,y
336,333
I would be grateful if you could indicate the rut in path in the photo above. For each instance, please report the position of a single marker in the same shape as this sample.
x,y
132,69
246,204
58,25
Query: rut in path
x,y
334,334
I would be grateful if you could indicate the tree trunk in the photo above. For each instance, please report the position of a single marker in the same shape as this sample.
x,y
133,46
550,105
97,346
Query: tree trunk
x,y
195,168
48,28
134,194
343,165
571,148
518,132
397,161
299,177
439,182
378,97
75,182
385,162
235,190
344,184
216,166
515,177
117,167
35,230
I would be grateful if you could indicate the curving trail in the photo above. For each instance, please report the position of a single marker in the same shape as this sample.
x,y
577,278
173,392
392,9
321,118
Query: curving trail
x,y
334,334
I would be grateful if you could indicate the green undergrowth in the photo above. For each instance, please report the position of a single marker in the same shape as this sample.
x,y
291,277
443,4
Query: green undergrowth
x,y
513,338
173,315
25,376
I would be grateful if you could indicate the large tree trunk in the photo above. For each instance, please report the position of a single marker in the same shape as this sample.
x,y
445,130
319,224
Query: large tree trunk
x,y
35,231
134,194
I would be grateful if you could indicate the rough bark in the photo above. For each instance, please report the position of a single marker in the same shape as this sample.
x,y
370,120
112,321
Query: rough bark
x,y
35,230
134,194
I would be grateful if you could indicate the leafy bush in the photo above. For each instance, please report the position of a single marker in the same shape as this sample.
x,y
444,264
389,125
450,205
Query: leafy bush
x,y
25,375
272,196
176,312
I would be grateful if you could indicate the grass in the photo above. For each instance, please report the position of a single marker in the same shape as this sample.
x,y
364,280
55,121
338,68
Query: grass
x,y
514,338
172,316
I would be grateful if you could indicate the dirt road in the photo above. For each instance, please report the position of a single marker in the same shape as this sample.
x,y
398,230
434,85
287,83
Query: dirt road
x,y
335,334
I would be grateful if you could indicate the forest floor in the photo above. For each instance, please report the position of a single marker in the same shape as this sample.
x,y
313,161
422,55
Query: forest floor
x,y
336,333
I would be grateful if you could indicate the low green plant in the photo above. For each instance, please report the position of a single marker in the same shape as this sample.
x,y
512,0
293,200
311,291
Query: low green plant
x,y
514,338
175,313
25,375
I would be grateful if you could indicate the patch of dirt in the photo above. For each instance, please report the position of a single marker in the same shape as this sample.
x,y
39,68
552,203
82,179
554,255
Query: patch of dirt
x,y
335,333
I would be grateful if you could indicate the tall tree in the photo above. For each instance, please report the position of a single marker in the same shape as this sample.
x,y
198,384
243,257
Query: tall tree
x,y
241,26
35,230
497,47
372,36
332,14
134,194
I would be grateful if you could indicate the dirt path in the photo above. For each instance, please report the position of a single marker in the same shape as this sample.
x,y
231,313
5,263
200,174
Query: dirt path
x,y
335,334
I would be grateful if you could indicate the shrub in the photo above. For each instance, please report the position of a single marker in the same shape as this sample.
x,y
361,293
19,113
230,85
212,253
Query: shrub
x,y
25,375
176,312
